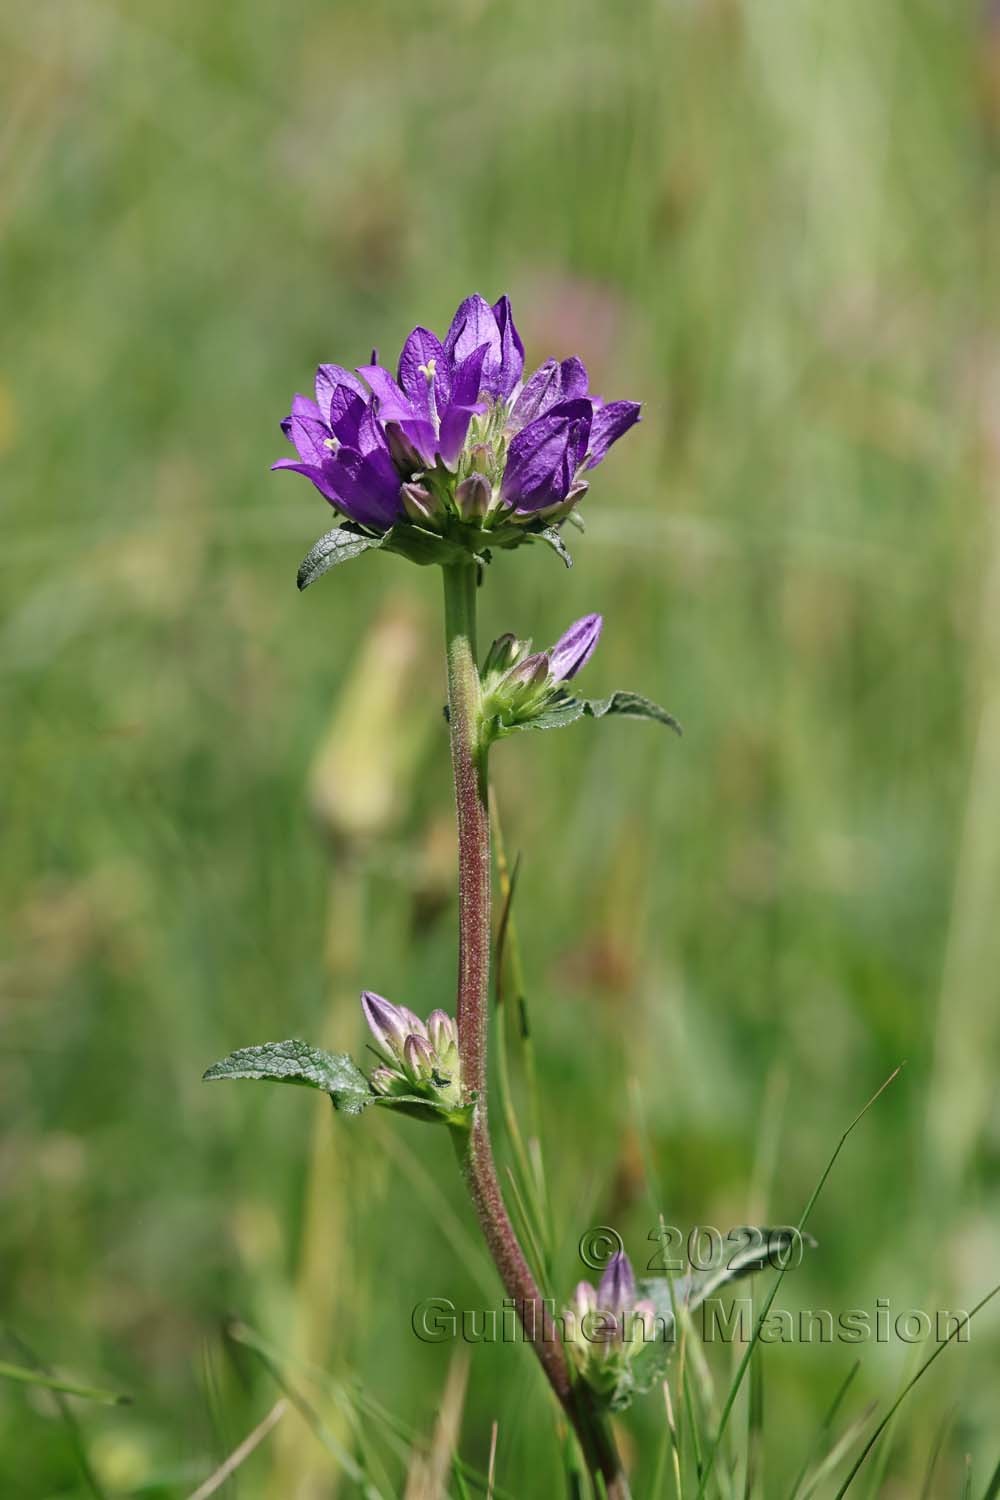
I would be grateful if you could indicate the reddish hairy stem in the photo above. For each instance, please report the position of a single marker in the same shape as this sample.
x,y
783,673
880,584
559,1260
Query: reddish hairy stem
x,y
475,938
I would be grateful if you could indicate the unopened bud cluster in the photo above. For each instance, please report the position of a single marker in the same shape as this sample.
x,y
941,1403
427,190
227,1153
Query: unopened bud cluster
x,y
418,1057
520,684
606,1328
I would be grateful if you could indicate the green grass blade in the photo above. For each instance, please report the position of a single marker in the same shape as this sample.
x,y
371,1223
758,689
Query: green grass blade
x,y
241,1334
64,1387
993,1488
935,1454
825,1428
745,1361
908,1387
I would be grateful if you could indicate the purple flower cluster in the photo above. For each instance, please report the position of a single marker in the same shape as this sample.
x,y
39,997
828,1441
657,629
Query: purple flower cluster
x,y
455,433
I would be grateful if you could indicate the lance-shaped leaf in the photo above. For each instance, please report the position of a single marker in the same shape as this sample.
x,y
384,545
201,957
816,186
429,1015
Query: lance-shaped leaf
x,y
555,541
562,710
766,1250
296,1062
337,546
62,1387
649,1364
631,706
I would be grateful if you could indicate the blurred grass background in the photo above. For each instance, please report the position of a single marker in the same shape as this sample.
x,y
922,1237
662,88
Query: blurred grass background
x,y
776,226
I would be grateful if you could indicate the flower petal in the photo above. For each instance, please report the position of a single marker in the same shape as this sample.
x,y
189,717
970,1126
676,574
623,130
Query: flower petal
x,y
541,390
473,324
319,477
609,424
310,436
551,384
364,486
424,352
329,379
468,376
301,407
454,430
347,410
412,445
424,439
511,349
393,404
573,379
542,458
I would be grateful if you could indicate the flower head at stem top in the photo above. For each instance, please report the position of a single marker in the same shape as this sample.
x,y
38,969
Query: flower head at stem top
x,y
454,445
416,1058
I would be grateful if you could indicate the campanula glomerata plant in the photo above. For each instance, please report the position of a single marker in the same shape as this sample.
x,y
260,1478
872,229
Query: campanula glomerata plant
x,y
451,459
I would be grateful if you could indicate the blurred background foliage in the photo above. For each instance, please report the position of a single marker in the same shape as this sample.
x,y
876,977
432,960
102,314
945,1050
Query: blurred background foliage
x,y
227,806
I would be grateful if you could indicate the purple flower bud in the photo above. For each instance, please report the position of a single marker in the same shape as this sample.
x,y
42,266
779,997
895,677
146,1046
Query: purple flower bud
x,y
403,450
616,1293
504,652
384,1080
388,1024
584,1300
413,1022
530,672
418,1059
473,497
574,649
641,1323
441,1032
418,502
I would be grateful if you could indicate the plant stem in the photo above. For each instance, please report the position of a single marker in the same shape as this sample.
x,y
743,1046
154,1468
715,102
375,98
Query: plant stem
x,y
469,763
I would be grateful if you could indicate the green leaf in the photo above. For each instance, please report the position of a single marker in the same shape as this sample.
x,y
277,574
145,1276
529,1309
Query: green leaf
x,y
649,1364
629,705
296,1062
555,541
419,1108
563,710
337,546
556,716
765,1251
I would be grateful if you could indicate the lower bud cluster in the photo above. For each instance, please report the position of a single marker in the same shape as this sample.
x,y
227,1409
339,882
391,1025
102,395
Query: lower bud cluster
x,y
607,1328
418,1057
520,684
